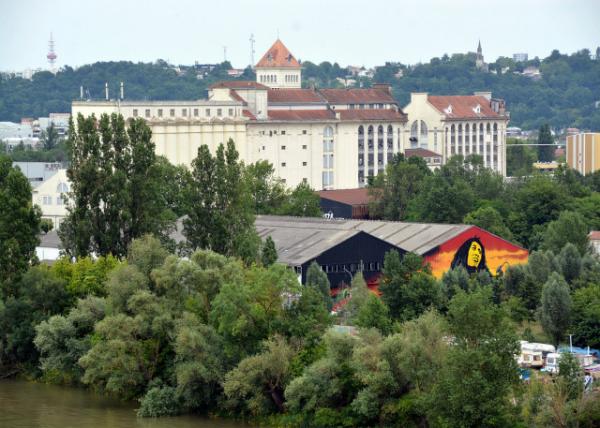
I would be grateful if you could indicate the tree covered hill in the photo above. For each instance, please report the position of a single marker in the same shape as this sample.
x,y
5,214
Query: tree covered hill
x,y
564,96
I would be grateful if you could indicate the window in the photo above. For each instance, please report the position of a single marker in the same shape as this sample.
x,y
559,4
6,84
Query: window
x,y
414,135
207,112
380,138
196,112
282,132
283,164
147,112
305,180
390,139
263,147
424,133
59,200
328,161
327,178
62,188
135,112
370,140
304,132
282,147
361,138
230,112
304,146
172,112
219,112
283,180
47,200
160,112
304,163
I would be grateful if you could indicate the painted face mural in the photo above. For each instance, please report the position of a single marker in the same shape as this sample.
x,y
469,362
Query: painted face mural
x,y
471,256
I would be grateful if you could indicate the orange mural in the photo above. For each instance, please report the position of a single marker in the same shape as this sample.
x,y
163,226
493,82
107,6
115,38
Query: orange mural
x,y
476,250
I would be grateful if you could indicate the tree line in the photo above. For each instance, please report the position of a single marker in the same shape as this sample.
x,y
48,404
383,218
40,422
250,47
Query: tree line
x,y
566,95
218,327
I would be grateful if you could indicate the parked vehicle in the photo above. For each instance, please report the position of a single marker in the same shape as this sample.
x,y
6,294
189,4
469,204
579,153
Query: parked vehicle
x,y
552,360
532,354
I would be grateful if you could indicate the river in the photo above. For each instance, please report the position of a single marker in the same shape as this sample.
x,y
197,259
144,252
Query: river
x,y
35,405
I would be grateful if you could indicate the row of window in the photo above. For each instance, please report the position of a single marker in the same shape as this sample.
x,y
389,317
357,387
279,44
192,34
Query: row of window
x,y
352,267
184,112
388,139
279,132
284,164
272,78
47,200
366,106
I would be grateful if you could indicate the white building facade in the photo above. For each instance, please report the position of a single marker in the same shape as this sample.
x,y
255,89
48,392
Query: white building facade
x,y
459,125
50,196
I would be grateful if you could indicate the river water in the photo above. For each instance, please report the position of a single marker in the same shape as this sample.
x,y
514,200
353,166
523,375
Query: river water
x,y
35,405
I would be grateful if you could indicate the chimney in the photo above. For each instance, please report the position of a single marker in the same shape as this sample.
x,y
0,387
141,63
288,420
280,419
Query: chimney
x,y
485,94
383,87
106,90
81,92
122,91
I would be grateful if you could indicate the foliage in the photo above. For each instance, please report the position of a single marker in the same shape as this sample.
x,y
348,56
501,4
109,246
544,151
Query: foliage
x,y
115,187
545,153
555,308
489,218
159,401
221,216
267,191
519,158
569,263
268,252
586,316
408,288
374,314
570,227
85,276
317,279
480,371
302,202
19,226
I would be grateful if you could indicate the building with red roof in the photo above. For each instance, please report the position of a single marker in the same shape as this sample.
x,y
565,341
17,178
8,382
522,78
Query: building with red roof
x,y
459,125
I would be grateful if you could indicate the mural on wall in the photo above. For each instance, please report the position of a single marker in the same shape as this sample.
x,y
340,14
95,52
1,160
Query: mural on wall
x,y
476,250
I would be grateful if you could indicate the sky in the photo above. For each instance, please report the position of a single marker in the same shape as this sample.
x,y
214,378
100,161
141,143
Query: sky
x,y
348,32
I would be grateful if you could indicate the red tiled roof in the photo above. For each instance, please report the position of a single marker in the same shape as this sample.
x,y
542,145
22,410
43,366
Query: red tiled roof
x,y
422,153
278,56
594,235
357,96
301,115
248,114
238,84
347,196
463,106
372,114
294,96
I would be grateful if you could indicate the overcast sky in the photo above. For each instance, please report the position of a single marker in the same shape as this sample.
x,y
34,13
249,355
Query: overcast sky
x,y
349,32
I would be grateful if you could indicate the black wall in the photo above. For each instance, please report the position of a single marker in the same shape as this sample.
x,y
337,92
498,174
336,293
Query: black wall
x,y
338,209
349,254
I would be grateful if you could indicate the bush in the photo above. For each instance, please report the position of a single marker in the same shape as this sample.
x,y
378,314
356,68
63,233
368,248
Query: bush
x,y
159,401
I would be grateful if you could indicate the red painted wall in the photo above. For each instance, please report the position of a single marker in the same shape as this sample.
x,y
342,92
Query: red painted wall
x,y
499,253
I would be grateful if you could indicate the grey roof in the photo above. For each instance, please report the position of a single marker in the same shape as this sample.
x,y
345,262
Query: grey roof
x,y
300,239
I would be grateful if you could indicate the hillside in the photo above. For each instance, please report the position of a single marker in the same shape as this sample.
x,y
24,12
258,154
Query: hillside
x,y
565,95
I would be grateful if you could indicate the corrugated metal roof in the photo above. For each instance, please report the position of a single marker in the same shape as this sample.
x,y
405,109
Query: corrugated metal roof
x,y
299,239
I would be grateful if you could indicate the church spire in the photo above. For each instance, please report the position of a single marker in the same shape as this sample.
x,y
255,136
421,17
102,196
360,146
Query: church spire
x,y
479,47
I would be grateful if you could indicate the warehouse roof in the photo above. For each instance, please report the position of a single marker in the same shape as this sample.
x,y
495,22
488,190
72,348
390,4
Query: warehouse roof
x,y
300,239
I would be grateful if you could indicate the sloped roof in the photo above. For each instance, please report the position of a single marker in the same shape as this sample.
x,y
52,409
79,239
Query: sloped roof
x,y
294,96
300,239
238,84
357,96
463,106
278,56
422,153
301,115
358,196
371,114
594,235
50,240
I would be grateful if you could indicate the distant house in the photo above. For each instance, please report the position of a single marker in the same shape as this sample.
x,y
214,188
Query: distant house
x,y
38,172
345,203
594,238
49,196
432,159
49,248
532,72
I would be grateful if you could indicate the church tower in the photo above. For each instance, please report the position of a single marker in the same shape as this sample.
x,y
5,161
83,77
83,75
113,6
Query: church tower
x,y
278,68
479,63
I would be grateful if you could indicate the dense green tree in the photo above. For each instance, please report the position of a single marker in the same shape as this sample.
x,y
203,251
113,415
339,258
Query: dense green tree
x,y
49,137
570,227
480,373
303,201
569,263
221,216
115,187
586,316
555,308
85,275
267,191
374,314
256,386
317,279
519,158
19,226
408,288
545,153
489,219
392,191
268,252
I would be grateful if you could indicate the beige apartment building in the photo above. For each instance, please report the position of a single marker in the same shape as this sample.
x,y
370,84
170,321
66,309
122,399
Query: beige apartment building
x,y
459,125
583,152
49,197
328,138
